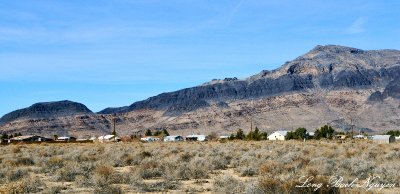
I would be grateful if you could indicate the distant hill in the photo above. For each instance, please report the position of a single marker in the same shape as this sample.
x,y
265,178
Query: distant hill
x,y
338,85
47,109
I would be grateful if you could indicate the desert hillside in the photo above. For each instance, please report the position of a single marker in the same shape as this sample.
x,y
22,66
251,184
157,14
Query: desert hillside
x,y
336,85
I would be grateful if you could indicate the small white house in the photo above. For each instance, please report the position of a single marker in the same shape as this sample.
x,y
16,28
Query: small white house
x,y
149,139
108,138
196,138
66,138
382,139
93,138
28,138
173,138
277,135
358,137
311,134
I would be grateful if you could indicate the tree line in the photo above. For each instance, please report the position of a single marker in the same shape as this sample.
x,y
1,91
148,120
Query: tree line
x,y
300,133
255,135
6,136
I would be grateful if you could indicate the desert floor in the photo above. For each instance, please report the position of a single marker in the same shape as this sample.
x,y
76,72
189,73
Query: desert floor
x,y
201,167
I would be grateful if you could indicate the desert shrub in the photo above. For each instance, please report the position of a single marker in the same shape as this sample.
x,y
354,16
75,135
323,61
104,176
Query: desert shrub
x,y
197,168
16,149
388,172
325,166
248,171
65,174
270,185
103,176
228,184
273,185
289,157
108,189
220,162
185,157
357,167
73,169
25,185
123,177
83,181
271,168
149,169
24,161
53,164
54,190
145,154
393,155
127,159
183,171
159,186
16,174
253,188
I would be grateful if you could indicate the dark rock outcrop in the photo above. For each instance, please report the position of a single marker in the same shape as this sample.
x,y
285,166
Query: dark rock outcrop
x,y
392,89
376,96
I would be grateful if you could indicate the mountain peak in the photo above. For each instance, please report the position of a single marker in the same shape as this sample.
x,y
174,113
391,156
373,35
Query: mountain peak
x,y
335,49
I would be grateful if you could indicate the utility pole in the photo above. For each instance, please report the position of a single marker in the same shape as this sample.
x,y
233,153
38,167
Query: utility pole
x,y
114,119
251,124
352,128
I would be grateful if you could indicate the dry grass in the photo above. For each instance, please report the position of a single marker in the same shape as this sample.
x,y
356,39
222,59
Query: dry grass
x,y
230,167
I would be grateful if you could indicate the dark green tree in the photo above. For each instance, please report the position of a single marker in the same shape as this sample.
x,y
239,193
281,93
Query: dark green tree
x,y
4,136
324,132
240,134
394,133
250,135
256,134
157,133
148,133
165,132
301,133
290,135
263,136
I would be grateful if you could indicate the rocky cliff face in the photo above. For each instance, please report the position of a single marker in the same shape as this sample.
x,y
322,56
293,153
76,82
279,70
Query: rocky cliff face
x,y
328,67
338,85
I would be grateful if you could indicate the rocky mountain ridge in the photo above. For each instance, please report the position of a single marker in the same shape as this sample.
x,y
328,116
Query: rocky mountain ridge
x,y
326,67
333,84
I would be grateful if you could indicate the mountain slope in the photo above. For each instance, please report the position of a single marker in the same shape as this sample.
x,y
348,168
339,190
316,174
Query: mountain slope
x,y
328,67
341,86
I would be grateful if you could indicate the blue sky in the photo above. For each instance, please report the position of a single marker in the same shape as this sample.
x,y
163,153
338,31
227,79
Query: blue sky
x,y
112,53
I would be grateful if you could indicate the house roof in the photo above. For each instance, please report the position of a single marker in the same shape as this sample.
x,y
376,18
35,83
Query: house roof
x,y
202,136
65,137
108,137
283,133
149,137
381,137
172,136
22,137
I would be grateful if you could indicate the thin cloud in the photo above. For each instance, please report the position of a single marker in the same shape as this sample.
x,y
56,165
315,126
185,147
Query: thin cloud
x,y
358,26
